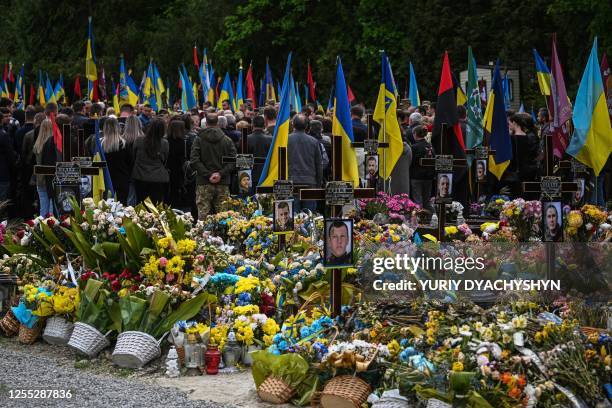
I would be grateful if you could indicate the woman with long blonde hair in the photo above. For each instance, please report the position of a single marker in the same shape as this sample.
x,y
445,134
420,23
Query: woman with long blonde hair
x,y
132,131
118,158
46,154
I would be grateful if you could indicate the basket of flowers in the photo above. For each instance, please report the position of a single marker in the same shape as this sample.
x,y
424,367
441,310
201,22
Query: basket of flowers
x,y
144,320
93,318
32,311
59,327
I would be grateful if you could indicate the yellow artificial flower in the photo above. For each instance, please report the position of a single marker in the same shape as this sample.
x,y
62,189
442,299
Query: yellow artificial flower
x,y
457,366
245,310
393,347
246,284
270,327
185,246
164,243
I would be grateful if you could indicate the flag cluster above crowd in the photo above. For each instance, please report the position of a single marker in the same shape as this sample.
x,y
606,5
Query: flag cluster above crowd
x,y
471,117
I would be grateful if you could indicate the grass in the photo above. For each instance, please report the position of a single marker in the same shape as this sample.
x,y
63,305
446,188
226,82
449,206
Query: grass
x,y
82,364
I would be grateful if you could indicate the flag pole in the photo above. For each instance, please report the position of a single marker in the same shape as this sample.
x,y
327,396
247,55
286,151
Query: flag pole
x,y
384,132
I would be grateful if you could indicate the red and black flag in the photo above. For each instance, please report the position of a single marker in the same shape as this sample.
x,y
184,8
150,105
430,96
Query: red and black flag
x,y
451,140
446,113
311,85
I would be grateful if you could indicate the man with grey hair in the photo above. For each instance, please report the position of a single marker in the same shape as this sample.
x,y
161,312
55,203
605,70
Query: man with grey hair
x,y
230,129
415,119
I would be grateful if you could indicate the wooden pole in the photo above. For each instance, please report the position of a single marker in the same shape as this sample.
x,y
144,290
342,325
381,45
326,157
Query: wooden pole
x,y
336,211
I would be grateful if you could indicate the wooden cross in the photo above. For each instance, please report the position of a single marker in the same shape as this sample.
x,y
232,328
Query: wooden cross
x,y
443,162
550,187
480,153
371,146
336,211
72,152
243,160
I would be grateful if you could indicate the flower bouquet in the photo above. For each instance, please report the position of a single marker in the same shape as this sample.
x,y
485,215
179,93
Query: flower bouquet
x,y
398,208
65,301
34,307
583,225
523,216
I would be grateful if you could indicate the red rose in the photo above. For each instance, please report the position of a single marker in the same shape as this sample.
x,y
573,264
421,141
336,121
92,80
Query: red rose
x,y
134,288
63,217
30,223
115,285
51,222
20,234
106,275
138,278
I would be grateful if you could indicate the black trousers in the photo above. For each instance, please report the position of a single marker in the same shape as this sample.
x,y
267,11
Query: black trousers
x,y
155,191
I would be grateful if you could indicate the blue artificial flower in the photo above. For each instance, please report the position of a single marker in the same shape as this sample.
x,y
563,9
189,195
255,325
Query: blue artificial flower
x,y
403,342
305,332
282,345
244,299
277,338
273,350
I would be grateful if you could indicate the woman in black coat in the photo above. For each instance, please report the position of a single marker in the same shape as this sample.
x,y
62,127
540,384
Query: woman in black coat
x,y
118,158
179,153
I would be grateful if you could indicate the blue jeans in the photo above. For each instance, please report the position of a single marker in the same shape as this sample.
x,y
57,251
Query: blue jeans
x,y
46,202
132,199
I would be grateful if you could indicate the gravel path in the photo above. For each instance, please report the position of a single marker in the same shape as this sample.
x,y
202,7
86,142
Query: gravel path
x,y
41,366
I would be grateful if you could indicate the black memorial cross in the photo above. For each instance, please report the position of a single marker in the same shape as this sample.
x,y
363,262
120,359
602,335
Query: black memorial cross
x,y
371,145
336,211
551,188
244,160
443,163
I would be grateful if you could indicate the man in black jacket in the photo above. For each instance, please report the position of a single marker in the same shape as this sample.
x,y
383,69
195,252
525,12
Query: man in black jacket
x,y
304,159
421,176
258,145
213,177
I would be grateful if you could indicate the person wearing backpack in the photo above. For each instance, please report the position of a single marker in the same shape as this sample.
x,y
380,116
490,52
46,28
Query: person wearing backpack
x,y
422,176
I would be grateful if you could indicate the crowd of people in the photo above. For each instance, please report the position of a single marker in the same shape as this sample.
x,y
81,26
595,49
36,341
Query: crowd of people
x,y
177,157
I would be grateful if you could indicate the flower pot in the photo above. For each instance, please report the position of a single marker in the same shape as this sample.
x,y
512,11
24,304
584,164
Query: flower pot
x,y
246,354
58,330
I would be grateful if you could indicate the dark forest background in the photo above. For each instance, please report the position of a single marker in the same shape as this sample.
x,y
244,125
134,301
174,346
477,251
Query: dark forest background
x,y
51,35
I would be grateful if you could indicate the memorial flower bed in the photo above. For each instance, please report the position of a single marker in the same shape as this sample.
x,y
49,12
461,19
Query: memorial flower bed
x,y
221,289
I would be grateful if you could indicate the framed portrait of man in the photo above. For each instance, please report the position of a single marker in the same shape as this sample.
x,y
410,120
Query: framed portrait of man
x,y
445,185
338,243
371,171
552,220
579,194
283,216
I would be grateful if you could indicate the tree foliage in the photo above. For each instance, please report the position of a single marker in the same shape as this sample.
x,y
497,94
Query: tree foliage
x,y
52,35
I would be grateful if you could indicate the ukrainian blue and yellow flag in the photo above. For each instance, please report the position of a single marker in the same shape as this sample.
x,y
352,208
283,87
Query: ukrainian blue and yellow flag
x,y
59,89
128,91
4,90
115,97
211,86
496,123
148,89
239,90
188,100
91,71
158,85
591,142
543,73
342,127
385,113
413,92
226,92
41,90
281,135
19,90
102,183
294,96
49,92
270,94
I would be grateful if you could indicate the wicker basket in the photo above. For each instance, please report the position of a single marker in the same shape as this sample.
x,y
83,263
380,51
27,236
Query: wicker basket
x,y
9,324
87,340
589,331
180,351
275,390
345,391
58,330
29,336
134,349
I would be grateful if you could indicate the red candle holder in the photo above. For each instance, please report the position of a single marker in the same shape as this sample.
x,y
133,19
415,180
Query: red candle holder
x,y
212,358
